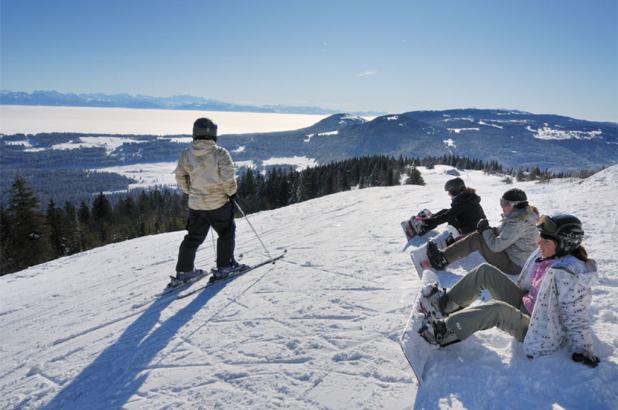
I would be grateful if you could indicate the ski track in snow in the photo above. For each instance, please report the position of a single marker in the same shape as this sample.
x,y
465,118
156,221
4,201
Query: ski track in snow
x,y
319,329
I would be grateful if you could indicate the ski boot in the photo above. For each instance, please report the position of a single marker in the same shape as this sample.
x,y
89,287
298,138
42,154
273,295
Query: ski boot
x,y
182,278
224,272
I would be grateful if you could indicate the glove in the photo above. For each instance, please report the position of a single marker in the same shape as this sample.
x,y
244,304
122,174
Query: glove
x,y
586,358
232,198
482,225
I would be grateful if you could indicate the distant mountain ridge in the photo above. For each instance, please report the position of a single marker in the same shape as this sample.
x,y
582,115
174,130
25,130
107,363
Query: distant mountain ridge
x,y
515,139
177,102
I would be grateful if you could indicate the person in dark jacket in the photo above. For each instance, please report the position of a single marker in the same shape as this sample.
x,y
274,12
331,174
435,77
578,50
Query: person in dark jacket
x,y
465,211
506,247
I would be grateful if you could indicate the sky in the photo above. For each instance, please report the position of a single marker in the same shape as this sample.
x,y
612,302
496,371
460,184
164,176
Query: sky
x,y
558,57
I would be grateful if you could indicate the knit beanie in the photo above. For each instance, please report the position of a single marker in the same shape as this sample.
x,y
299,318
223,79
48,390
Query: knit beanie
x,y
517,197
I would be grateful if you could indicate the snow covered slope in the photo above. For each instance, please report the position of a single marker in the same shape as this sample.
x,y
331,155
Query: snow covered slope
x,y
318,330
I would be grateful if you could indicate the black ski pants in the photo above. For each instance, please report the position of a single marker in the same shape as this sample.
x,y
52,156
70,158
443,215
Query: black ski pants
x,y
222,221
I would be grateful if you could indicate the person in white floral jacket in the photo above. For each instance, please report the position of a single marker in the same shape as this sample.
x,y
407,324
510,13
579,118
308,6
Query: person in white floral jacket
x,y
547,308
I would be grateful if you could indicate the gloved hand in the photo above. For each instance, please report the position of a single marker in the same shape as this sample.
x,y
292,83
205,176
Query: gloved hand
x,y
482,225
586,358
232,198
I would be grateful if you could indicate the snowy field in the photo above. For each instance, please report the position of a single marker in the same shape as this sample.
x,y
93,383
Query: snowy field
x,y
318,330
35,119
162,173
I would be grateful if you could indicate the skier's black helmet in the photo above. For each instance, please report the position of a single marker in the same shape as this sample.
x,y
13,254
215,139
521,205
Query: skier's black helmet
x,y
204,129
454,186
566,230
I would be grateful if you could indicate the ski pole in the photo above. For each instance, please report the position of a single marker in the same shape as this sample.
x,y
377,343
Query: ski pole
x,y
214,249
252,228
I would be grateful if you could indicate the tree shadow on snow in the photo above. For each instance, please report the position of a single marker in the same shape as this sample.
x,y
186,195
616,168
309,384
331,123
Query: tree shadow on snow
x,y
117,373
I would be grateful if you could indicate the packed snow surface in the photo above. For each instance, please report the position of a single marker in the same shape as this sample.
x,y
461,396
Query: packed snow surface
x,y
318,330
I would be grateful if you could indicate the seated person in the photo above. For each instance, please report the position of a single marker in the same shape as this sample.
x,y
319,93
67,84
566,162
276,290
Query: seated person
x,y
546,309
506,247
465,211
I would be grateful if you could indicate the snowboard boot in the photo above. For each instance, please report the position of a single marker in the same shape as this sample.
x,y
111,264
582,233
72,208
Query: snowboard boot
x,y
431,302
436,333
435,302
450,239
188,276
224,272
436,257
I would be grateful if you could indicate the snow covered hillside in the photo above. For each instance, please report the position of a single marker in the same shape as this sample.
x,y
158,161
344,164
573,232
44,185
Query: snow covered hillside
x,y
319,329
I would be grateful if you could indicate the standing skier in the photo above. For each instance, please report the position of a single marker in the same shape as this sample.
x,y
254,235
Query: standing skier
x,y
465,211
506,247
547,308
206,173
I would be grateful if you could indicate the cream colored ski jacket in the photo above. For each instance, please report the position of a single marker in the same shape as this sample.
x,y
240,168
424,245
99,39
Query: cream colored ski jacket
x,y
206,173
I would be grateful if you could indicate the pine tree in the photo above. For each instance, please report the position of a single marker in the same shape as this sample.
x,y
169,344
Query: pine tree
x,y
414,177
27,240
4,236
57,225
101,215
73,229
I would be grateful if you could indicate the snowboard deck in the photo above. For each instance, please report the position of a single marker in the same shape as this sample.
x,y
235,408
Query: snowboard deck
x,y
412,226
419,254
417,350
419,257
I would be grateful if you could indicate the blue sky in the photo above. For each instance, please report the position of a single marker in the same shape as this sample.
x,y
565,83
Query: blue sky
x,y
557,57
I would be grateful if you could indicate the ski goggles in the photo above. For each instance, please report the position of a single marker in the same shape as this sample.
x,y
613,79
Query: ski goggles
x,y
504,202
547,227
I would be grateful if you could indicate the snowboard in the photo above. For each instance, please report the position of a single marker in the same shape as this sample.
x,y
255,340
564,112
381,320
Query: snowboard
x,y
419,254
411,227
417,350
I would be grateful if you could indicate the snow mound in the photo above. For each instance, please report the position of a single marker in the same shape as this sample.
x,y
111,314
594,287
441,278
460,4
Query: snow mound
x,y
607,177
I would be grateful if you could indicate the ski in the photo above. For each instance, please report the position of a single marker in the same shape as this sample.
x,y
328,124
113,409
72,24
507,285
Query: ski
x,y
213,281
171,288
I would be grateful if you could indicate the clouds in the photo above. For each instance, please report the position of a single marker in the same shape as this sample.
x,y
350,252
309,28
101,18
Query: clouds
x,y
367,73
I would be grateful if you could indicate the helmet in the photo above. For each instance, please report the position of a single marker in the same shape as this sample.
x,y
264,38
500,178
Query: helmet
x,y
204,129
566,230
454,186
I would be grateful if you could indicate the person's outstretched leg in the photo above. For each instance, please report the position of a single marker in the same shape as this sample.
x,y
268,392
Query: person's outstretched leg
x,y
493,314
463,247
484,276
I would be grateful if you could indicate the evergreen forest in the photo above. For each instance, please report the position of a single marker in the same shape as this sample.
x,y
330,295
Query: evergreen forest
x,y
33,233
